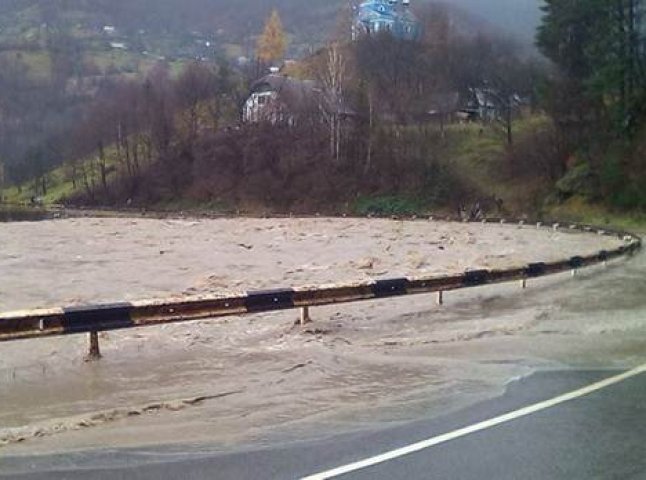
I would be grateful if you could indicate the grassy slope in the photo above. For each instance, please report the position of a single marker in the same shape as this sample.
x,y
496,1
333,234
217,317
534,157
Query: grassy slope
x,y
477,153
480,155
59,184
59,187
22,31
578,209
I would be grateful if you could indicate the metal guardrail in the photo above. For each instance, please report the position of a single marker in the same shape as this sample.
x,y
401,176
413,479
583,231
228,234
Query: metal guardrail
x,y
98,318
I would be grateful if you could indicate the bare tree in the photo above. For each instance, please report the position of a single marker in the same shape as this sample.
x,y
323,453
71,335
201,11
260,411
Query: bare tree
x,y
2,181
195,87
332,79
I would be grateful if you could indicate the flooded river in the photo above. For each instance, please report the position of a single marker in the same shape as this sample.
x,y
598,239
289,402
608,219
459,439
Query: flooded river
x,y
249,379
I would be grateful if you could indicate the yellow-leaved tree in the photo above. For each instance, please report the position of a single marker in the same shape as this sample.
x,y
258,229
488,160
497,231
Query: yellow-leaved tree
x,y
273,41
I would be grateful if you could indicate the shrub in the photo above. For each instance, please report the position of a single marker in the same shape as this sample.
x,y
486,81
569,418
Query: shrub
x,y
580,180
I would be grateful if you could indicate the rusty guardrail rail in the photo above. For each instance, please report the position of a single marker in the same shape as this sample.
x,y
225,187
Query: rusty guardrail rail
x,y
98,318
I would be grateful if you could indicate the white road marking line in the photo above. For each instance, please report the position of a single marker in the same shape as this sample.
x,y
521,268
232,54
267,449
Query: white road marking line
x,y
447,437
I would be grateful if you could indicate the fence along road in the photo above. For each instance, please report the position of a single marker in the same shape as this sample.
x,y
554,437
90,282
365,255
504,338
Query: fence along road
x,y
105,317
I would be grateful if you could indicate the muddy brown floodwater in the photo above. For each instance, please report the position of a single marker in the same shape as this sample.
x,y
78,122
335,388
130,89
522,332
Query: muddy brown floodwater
x,y
246,379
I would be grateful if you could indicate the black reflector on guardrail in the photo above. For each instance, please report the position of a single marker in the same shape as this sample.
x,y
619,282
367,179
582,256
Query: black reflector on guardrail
x,y
535,269
41,323
576,262
473,278
264,300
390,288
104,317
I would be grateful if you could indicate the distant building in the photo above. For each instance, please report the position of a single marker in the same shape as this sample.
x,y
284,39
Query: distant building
x,y
279,99
444,106
394,16
489,105
480,104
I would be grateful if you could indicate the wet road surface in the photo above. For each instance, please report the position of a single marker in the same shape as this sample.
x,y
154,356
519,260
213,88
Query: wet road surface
x,y
599,435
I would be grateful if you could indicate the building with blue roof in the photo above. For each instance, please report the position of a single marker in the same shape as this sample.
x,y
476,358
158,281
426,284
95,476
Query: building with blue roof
x,y
393,16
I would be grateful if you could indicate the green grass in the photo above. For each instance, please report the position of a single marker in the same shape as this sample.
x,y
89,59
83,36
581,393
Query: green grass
x,y
387,205
38,62
59,182
578,209
475,147
118,61
58,187
479,154
11,195
475,152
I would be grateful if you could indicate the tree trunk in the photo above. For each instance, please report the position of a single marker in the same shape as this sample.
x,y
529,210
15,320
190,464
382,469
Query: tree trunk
x,y
74,173
338,138
103,169
368,164
510,137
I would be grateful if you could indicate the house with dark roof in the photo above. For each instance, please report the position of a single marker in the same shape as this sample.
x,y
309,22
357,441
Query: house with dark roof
x,y
488,105
279,99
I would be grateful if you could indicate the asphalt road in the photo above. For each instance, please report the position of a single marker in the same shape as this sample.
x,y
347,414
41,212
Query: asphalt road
x,y
601,435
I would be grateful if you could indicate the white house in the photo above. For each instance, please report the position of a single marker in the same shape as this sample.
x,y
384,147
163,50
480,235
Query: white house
x,y
279,99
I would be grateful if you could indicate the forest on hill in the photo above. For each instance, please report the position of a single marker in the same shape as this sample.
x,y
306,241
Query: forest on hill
x,y
164,136
59,57
306,21
92,124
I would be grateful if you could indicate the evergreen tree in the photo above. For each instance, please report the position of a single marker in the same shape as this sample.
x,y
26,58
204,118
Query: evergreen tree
x,y
599,100
598,46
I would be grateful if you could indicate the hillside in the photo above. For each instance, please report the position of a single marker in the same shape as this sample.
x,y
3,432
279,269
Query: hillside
x,y
65,60
231,24
164,27
110,38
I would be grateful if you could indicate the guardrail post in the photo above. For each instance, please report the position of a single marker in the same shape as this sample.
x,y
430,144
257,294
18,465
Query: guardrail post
x,y
95,352
440,297
108,317
305,316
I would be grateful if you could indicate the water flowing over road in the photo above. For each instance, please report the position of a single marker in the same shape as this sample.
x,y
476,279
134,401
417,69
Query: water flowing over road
x,y
258,380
